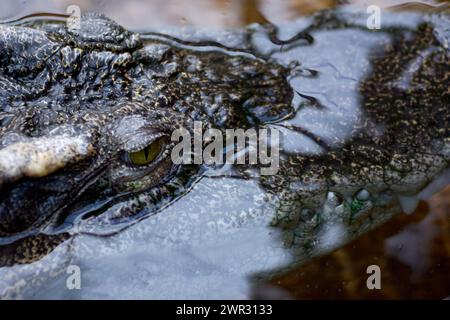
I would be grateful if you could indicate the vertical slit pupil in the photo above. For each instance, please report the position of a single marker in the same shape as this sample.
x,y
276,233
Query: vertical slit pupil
x,y
147,152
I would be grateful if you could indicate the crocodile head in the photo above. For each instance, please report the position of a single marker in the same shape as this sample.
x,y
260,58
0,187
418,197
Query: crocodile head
x,y
87,114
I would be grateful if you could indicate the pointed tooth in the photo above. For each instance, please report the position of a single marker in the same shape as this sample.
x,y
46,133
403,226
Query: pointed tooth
x,y
408,203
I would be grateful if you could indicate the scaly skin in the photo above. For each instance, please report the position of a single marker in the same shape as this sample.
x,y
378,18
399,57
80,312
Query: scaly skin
x,y
394,153
74,102
115,97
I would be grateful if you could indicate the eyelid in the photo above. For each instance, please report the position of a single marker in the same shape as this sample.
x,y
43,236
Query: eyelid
x,y
142,140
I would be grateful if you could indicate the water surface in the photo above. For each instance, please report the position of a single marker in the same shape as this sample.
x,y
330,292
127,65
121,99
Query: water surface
x,y
211,241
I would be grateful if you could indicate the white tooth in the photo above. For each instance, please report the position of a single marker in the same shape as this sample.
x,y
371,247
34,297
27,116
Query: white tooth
x,y
363,195
408,203
331,196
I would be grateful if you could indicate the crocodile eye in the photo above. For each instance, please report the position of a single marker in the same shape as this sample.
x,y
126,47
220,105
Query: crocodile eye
x,y
146,155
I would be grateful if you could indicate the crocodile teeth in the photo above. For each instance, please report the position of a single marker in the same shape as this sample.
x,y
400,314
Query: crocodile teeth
x,y
408,203
363,195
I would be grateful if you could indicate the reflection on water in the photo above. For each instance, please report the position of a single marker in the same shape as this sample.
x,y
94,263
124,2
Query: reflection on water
x,y
202,13
201,247
413,251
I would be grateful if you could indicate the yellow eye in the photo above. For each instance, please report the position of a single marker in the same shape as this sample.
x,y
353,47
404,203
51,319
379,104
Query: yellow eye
x,y
146,155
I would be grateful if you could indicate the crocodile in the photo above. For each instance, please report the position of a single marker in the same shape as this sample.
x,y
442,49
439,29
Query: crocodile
x,y
87,113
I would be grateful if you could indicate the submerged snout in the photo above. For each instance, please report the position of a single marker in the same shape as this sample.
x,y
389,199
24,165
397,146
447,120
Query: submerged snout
x,y
39,177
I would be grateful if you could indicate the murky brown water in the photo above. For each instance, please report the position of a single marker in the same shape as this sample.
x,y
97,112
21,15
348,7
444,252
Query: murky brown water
x,y
202,13
413,251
